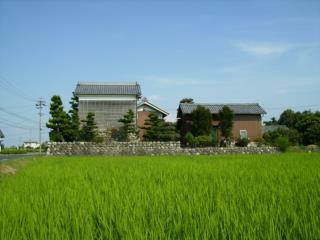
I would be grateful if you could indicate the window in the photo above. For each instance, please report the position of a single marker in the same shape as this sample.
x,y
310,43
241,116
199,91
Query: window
x,y
243,134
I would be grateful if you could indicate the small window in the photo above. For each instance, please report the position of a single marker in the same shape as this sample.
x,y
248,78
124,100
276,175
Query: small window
x,y
243,134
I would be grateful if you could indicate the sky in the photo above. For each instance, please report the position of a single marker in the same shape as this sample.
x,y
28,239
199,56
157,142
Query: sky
x,y
265,52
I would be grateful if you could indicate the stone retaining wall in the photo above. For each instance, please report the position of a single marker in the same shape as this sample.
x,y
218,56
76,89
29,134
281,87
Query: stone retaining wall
x,y
145,148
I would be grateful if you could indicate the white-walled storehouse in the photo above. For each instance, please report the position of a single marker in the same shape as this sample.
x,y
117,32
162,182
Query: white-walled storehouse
x,y
108,101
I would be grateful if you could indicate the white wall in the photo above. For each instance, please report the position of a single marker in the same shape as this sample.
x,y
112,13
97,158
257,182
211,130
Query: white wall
x,y
107,97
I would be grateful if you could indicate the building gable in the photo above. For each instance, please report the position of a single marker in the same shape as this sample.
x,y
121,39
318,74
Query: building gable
x,y
149,107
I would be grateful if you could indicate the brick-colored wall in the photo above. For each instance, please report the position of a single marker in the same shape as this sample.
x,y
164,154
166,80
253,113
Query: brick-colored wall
x,y
142,116
251,123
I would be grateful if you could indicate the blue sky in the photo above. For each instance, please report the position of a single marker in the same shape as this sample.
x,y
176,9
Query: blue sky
x,y
213,51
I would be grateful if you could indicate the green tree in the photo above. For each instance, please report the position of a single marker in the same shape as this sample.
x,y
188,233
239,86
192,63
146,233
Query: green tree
x,y
59,121
74,118
226,122
201,121
308,125
156,129
288,118
129,126
189,140
89,128
273,121
187,100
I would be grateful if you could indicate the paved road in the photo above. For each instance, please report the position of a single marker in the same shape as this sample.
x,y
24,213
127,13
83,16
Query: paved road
x,y
4,157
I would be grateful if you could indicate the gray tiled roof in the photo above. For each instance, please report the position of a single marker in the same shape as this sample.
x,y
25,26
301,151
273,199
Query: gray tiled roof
x,y
1,134
237,108
108,88
146,102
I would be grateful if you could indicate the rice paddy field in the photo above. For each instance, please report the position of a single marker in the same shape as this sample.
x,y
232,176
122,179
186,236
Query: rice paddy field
x,y
201,197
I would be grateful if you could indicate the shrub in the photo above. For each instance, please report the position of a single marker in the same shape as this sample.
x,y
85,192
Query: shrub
x,y
203,141
283,143
260,142
118,134
242,142
214,140
99,139
13,151
292,135
190,141
223,143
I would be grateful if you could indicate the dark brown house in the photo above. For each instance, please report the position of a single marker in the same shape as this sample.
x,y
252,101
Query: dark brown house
x,y
247,118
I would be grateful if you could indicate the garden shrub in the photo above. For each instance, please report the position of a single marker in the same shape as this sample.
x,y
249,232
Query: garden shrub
x,y
292,135
118,134
242,142
260,142
282,143
189,138
203,141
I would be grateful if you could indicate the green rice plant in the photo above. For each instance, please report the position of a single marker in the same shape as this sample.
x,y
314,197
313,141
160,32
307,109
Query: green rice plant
x,y
184,197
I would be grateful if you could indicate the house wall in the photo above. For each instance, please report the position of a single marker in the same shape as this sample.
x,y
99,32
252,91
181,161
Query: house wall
x,y
107,109
107,97
142,116
251,123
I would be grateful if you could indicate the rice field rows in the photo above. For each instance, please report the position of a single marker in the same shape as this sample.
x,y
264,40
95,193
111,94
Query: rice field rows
x,y
201,197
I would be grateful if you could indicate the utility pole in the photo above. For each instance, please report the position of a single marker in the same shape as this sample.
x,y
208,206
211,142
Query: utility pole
x,y
40,104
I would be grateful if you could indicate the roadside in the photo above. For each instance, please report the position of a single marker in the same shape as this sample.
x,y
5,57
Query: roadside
x,y
11,163
6,157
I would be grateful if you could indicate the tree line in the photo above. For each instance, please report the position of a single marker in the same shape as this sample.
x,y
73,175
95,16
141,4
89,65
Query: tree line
x,y
301,128
66,127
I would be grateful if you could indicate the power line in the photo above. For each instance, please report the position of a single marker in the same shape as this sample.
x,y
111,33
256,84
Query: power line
x,y
4,83
15,125
16,115
23,107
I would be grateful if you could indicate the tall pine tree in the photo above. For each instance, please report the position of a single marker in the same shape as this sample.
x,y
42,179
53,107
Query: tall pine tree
x,y
226,122
74,118
59,121
89,128
201,121
156,129
129,125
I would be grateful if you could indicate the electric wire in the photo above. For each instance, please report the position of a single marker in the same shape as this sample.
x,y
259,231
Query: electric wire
x,y
7,85
17,115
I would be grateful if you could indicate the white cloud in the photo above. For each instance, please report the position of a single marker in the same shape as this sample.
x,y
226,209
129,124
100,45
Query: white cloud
x,y
263,49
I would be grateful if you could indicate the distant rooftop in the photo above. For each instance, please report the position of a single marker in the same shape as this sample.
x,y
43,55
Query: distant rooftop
x,y
107,88
147,103
237,108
